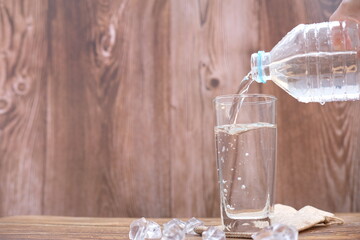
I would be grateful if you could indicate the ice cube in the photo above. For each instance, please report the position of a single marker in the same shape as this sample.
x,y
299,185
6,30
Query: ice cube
x,y
191,224
213,233
174,230
142,228
153,230
138,229
277,232
181,224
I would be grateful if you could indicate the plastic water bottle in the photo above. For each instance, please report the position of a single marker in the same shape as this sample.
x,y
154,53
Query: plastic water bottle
x,y
314,63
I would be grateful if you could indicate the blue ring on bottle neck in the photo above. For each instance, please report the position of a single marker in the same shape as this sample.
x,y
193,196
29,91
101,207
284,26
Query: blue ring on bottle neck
x,y
259,67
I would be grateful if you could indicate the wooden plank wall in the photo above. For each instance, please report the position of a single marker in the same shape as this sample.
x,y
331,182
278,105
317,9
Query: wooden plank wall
x,y
106,107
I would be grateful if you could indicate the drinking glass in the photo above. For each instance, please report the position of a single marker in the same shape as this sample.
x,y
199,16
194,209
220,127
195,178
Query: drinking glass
x,y
245,136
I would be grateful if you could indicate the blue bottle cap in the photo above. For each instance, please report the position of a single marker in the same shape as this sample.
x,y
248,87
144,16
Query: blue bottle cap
x,y
260,67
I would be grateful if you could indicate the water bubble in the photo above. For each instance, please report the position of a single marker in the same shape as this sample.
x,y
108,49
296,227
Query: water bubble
x,y
243,186
247,154
224,181
230,207
223,149
232,169
239,178
225,190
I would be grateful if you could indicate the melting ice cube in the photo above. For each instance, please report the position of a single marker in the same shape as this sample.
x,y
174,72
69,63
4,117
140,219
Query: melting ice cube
x,y
153,230
213,233
174,230
142,228
137,229
191,224
277,232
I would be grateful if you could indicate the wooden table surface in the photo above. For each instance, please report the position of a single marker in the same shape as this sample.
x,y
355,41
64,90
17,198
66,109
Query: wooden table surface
x,y
46,227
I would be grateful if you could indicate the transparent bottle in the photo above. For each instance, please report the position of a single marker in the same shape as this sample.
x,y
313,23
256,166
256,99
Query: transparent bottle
x,y
314,63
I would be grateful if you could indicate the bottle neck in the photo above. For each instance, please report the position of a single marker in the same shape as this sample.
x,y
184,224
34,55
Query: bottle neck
x,y
260,66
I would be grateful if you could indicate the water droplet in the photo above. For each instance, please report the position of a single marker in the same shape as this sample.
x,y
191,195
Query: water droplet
x,y
243,186
225,190
223,149
247,154
224,181
239,178
322,103
232,169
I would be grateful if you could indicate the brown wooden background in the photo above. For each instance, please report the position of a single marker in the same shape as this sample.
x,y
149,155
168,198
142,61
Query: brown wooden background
x,y
106,107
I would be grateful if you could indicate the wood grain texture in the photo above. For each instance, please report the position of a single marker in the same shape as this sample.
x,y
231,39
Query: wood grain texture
x,y
77,169
22,106
106,107
45,227
108,147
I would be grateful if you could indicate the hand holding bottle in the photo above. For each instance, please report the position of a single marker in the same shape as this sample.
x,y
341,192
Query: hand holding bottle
x,y
349,10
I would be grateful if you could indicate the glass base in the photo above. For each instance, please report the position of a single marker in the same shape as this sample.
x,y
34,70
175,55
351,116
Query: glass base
x,y
245,225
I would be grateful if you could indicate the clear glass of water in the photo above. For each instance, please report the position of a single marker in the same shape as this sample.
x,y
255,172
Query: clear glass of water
x,y
245,135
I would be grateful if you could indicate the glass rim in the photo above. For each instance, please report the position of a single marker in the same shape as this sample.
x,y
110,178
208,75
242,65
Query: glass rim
x,y
266,98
